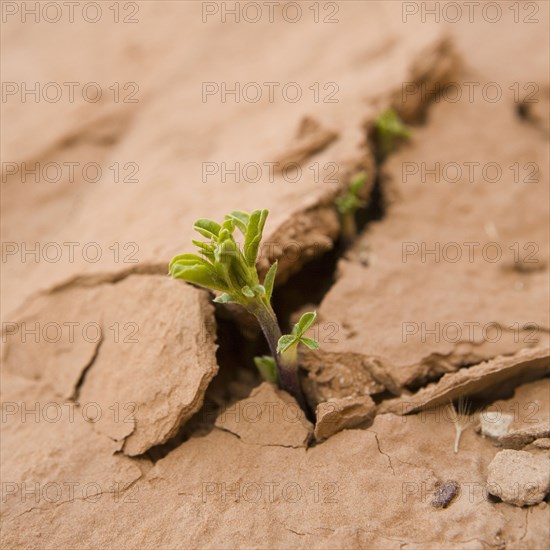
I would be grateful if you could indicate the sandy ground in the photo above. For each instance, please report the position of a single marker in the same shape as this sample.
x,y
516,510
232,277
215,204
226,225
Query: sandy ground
x,y
132,414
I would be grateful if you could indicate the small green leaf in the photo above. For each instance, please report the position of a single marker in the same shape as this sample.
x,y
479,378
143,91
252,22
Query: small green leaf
x,y
349,201
254,235
357,183
285,342
222,272
306,320
247,291
206,249
268,368
309,342
207,228
240,219
228,225
186,259
198,274
202,245
390,130
270,280
226,252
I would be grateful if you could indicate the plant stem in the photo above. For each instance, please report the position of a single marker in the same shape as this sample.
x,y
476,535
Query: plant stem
x,y
287,363
349,229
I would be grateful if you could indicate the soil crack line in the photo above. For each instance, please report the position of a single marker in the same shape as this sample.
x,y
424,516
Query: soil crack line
x,y
76,393
383,453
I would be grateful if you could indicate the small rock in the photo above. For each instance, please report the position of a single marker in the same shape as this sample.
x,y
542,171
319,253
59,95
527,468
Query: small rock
x,y
338,414
518,439
494,424
519,477
542,443
444,494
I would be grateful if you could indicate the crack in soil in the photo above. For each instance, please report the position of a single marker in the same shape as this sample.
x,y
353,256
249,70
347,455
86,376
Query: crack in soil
x,y
382,452
309,285
78,386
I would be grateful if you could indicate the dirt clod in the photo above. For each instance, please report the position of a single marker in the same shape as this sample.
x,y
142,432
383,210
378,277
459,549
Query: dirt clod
x,y
519,477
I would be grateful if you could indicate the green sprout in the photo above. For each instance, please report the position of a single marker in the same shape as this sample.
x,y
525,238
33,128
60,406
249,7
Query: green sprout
x,y
225,268
287,347
348,203
389,132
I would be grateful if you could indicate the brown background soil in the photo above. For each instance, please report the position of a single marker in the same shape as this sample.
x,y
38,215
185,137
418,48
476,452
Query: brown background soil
x,y
159,432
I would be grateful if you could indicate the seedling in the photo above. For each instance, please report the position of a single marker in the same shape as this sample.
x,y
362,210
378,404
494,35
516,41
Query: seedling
x,y
287,348
389,132
348,203
461,418
225,268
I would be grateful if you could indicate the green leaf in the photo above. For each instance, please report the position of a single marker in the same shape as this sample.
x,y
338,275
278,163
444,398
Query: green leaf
x,y
222,272
240,219
186,259
226,251
285,342
207,228
306,320
349,201
311,343
268,368
259,289
203,246
390,130
270,280
198,274
206,249
357,183
228,225
253,235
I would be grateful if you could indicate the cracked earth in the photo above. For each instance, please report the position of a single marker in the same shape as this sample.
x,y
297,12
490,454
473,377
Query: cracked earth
x,y
132,415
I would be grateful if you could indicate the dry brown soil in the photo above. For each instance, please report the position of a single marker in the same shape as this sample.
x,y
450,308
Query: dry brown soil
x,y
132,415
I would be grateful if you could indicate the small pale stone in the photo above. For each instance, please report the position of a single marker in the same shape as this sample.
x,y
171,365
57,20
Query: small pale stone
x,y
494,424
